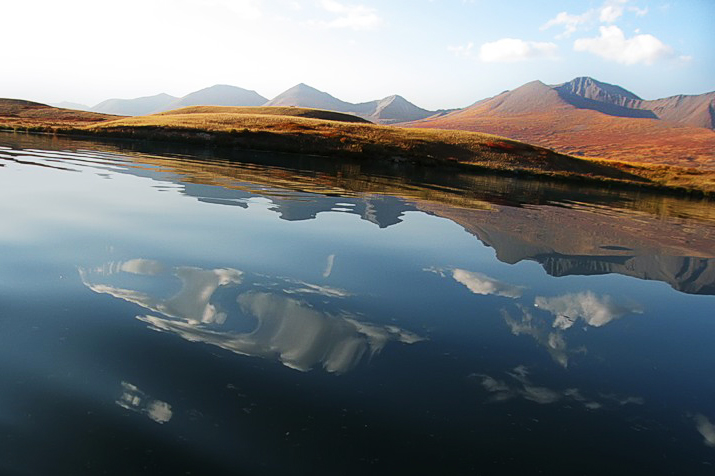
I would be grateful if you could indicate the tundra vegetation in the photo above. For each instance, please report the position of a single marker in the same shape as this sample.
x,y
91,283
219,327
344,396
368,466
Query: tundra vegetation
x,y
327,133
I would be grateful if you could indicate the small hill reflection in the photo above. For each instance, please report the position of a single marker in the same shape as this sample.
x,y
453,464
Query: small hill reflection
x,y
568,229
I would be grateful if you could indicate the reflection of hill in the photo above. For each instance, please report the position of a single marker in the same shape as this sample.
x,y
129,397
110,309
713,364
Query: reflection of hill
x,y
569,230
580,242
378,209
684,273
577,239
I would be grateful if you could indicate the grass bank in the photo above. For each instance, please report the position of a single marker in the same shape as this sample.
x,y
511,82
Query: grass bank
x,y
327,133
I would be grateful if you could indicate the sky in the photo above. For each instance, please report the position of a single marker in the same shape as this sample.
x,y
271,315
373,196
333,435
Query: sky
x,y
435,53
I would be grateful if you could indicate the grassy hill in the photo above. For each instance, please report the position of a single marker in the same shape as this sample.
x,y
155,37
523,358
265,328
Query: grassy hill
x,y
268,111
332,134
27,113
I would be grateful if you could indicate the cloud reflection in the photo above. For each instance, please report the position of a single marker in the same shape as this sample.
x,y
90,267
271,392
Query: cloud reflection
x,y
519,385
191,303
594,310
329,266
705,428
137,401
285,326
482,284
527,324
293,333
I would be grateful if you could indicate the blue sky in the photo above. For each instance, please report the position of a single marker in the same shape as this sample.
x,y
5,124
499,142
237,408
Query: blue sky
x,y
436,53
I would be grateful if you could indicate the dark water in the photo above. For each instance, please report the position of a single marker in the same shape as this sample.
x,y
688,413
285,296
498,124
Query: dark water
x,y
169,313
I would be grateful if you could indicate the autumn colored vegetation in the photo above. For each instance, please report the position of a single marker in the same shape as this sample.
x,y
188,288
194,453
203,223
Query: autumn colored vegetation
x,y
310,131
586,133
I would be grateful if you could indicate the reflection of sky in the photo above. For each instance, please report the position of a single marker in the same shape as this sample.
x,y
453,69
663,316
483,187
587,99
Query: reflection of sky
x,y
191,303
705,428
329,266
567,309
287,327
480,283
527,324
594,310
137,401
518,384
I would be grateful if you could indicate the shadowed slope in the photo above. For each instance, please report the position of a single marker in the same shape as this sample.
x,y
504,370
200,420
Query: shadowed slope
x,y
587,93
696,110
590,88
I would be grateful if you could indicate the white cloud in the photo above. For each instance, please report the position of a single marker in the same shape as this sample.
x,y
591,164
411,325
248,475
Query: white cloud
x,y
613,45
482,284
510,50
609,12
355,17
462,50
638,11
570,22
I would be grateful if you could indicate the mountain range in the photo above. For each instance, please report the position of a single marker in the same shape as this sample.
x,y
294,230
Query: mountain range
x,y
583,117
390,110
590,118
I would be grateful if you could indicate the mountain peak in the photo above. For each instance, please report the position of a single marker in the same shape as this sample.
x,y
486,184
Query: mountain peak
x,y
302,95
219,95
396,98
303,87
590,88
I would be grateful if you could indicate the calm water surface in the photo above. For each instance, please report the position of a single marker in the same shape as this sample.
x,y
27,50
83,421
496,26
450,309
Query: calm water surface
x,y
170,312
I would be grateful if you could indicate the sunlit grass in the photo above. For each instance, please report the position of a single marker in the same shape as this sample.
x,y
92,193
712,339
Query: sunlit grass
x,y
327,133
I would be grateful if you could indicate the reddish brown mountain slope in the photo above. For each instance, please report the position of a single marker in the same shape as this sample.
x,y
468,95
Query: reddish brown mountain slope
x,y
593,119
28,113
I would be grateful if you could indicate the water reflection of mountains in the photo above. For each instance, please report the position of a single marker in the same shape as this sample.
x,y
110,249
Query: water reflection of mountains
x,y
566,238
569,230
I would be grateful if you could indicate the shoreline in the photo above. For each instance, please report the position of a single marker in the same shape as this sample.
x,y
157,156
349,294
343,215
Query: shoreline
x,y
331,139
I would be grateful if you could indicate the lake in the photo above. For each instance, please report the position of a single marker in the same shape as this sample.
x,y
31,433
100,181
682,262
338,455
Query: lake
x,y
168,310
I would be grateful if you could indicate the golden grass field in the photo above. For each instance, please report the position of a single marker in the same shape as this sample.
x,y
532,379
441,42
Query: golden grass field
x,y
327,133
